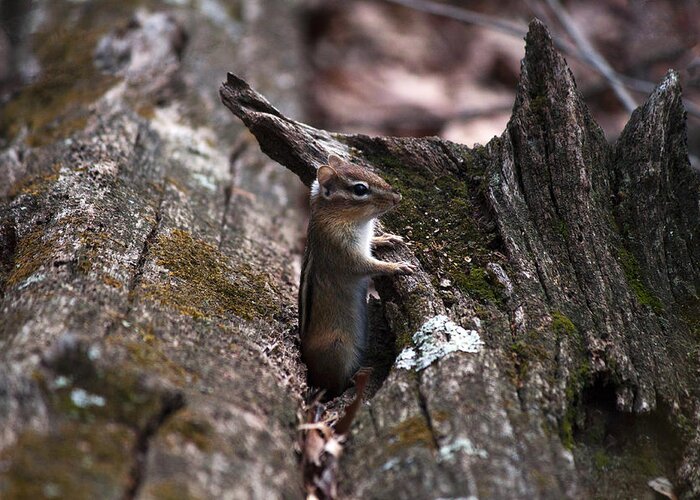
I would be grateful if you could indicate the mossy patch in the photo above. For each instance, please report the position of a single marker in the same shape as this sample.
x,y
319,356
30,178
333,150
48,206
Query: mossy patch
x,y
601,460
38,248
413,431
443,216
98,412
34,250
55,105
187,426
480,285
403,340
540,348
539,103
147,353
632,271
578,379
71,461
37,184
169,490
562,325
531,348
77,389
204,285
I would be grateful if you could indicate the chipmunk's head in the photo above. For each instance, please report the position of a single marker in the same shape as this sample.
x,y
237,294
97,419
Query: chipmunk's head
x,y
351,191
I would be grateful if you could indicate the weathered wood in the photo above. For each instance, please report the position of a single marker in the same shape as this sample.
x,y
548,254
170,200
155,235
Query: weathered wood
x,y
147,286
576,263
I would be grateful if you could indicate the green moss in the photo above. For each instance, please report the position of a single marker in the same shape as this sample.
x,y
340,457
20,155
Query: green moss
x,y
204,285
601,460
413,431
539,103
523,354
645,462
35,185
404,340
442,215
537,347
566,431
97,413
71,461
38,248
625,467
148,354
562,325
478,285
530,348
404,333
562,228
55,105
169,490
88,393
34,250
578,379
187,426
630,266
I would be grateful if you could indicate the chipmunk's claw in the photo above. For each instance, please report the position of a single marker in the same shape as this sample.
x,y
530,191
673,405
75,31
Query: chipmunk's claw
x,y
387,240
403,268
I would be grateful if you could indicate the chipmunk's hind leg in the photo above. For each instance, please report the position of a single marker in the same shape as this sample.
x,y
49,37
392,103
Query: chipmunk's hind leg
x,y
330,370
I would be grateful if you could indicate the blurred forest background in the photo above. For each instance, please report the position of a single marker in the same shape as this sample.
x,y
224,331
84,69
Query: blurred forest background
x,y
391,68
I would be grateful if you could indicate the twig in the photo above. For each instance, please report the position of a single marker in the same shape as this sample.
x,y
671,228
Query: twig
x,y
518,30
465,15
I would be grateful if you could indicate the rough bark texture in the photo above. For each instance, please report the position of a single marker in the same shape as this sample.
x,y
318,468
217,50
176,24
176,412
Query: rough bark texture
x,y
147,298
149,260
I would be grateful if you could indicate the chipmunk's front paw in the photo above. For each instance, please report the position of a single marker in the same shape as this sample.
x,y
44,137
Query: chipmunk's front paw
x,y
386,240
405,268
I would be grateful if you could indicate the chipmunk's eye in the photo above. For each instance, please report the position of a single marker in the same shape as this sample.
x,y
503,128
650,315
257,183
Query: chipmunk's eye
x,y
360,189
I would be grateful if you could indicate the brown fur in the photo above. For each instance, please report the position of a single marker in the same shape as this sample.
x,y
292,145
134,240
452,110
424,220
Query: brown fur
x,y
336,271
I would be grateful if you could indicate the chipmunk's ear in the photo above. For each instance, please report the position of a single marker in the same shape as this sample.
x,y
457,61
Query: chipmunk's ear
x,y
326,178
335,161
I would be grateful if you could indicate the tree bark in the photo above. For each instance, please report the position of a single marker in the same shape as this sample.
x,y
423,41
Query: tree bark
x,y
148,287
149,258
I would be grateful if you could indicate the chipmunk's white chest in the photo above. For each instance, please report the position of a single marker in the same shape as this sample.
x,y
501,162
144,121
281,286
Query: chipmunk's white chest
x,y
365,232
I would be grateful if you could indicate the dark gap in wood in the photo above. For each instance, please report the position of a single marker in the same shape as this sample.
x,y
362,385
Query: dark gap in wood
x,y
171,403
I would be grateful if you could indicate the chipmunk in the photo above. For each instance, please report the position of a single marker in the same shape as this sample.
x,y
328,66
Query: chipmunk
x,y
345,202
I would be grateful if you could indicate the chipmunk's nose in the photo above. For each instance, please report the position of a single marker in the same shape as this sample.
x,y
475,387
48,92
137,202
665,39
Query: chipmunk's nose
x,y
397,197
